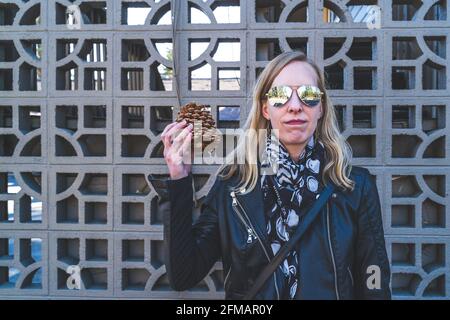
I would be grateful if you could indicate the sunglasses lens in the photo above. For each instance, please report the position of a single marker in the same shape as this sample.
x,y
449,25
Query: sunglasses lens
x,y
278,96
310,95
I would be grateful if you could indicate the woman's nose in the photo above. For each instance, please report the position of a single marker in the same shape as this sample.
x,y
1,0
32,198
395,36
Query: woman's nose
x,y
295,104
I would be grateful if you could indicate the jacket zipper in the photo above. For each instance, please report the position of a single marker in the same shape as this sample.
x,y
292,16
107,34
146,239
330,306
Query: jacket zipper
x,y
332,254
226,278
251,233
351,276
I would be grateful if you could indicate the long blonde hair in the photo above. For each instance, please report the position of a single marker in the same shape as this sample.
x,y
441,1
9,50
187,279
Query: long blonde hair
x,y
338,151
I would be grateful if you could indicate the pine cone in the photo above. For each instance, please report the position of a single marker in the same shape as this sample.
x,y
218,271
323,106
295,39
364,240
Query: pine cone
x,y
195,112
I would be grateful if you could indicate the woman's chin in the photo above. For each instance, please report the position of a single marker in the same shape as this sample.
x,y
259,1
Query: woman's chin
x,y
294,140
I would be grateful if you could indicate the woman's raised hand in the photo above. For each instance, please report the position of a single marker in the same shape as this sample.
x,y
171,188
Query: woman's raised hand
x,y
176,138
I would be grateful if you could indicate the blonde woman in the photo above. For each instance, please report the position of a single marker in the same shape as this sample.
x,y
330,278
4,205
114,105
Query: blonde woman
x,y
250,213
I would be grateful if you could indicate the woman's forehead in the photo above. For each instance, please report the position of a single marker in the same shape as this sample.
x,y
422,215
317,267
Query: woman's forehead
x,y
296,73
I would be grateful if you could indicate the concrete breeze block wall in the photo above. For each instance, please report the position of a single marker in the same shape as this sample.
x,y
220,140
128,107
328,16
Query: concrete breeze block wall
x,y
86,88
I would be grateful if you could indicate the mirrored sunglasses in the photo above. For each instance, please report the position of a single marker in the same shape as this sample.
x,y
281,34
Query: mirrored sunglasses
x,y
279,95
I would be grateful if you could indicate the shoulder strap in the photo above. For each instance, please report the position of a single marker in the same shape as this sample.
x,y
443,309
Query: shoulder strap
x,y
282,253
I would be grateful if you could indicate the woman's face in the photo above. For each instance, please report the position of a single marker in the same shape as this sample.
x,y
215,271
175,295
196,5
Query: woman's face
x,y
293,135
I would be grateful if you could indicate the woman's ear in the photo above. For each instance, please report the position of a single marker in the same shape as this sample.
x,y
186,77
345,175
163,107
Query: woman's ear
x,y
265,112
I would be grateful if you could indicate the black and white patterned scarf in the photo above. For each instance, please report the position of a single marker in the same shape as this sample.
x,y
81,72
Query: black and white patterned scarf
x,y
298,184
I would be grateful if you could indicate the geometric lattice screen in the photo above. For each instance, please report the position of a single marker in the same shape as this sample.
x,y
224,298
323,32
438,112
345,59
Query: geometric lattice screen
x,y
86,88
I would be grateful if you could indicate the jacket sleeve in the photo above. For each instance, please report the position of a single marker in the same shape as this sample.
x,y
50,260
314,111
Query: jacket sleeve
x,y
372,264
191,249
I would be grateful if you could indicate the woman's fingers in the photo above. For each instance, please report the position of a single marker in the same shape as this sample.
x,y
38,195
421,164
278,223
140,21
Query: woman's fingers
x,y
178,141
186,148
169,130
168,127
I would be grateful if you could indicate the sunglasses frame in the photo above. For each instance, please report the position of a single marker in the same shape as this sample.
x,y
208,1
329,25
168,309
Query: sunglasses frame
x,y
303,87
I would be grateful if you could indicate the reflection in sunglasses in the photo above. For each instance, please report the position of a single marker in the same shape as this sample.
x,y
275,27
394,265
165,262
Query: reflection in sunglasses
x,y
308,94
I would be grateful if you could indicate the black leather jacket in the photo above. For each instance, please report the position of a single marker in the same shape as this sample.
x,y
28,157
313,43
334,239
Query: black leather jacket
x,y
335,254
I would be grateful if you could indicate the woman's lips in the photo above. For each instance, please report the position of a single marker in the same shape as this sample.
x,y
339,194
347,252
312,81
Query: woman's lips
x,y
295,122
